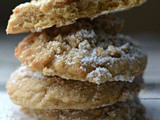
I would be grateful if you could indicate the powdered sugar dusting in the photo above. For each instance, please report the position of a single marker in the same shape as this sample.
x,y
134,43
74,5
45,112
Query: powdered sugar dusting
x,y
94,58
23,71
107,58
84,51
9,111
39,2
86,34
128,78
100,75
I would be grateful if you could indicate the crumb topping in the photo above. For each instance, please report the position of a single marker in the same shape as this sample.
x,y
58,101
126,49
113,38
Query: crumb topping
x,y
81,52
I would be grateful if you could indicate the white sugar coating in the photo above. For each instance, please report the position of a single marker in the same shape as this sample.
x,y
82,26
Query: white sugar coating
x,y
97,59
9,111
83,51
94,58
122,50
125,46
100,75
128,78
101,60
39,2
14,113
24,72
39,47
86,33
84,45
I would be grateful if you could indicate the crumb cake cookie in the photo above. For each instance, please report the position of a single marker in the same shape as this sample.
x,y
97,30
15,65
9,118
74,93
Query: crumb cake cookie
x,y
34,90
130,110
40,14
80,52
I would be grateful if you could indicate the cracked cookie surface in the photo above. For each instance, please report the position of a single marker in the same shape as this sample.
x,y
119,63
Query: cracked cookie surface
x,y
82,51
41,14
33,90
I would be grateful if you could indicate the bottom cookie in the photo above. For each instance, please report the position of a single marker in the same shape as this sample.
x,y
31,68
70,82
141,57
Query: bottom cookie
x,y
130,110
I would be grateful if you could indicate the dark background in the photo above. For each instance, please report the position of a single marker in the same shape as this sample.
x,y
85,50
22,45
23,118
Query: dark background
x,y
141,19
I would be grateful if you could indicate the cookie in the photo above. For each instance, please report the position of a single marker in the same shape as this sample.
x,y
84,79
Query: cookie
x,y
33,90
82,52
130,110
41,14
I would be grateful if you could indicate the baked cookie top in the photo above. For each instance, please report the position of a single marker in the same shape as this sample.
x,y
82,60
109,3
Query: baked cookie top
x,y
40,14
81,52
33,90
130,110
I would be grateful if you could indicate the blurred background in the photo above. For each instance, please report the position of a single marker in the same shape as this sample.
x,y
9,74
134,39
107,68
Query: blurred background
x,y
142,23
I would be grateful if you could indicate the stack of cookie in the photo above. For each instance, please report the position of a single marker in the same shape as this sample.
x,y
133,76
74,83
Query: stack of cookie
x,y
75,66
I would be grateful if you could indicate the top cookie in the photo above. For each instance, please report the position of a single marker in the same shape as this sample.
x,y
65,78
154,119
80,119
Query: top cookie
x,y
82,51
40,14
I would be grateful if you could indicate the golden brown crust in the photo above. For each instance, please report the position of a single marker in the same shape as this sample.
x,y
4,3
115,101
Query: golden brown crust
x,y
34,90
38,14
82,52
130,110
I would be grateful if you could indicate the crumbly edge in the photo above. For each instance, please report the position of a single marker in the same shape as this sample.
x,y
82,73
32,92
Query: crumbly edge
x,y
43,17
